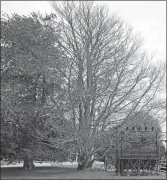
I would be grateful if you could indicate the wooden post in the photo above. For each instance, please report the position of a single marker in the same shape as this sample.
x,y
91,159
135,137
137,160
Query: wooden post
x,y
128,168
119,170
121,144
116,162
138,171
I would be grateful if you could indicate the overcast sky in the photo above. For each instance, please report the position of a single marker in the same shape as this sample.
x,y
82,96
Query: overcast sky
x,y
146,17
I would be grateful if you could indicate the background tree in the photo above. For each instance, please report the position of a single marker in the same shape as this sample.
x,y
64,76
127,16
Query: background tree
x,y
141,133
31,89
108,74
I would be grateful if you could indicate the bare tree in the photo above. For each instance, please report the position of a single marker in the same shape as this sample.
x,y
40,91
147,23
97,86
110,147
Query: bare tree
x,y
108,76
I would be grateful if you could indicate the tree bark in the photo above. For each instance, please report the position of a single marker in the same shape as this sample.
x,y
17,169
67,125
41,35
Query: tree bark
x,y
28,164
84,162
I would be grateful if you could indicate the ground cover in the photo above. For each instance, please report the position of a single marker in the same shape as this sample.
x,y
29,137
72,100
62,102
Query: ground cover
x,y
63,171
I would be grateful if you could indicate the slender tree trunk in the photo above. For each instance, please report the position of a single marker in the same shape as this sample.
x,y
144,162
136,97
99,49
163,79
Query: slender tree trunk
x,y
28,164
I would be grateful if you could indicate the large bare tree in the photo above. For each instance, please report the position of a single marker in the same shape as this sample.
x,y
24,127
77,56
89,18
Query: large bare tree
x,y
108,76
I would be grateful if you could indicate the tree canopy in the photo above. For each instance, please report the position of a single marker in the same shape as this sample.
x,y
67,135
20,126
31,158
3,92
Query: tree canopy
x,y
109,76
32,97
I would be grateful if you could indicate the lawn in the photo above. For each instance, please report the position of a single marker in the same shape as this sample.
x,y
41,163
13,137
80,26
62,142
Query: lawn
x,y
66,171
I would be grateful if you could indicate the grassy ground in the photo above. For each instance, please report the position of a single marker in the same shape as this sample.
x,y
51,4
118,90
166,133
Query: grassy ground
x,y
67,171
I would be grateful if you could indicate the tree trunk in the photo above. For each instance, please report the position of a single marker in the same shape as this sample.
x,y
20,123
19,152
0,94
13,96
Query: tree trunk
x,y
80,166
28,164
84,162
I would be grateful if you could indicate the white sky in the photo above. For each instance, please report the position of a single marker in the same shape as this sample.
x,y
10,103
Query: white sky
x,y
146,17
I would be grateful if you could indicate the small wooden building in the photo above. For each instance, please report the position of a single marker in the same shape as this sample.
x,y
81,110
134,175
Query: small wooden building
x,y
138,158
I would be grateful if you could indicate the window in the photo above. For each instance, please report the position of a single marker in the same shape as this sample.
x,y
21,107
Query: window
x,y
126,128
152,128
133,128
139,128
145,128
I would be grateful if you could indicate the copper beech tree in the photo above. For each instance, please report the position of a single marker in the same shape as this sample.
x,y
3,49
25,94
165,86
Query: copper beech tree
x,y
108,76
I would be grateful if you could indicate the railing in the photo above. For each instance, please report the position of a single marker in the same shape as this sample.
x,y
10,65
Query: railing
x,y
139,155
